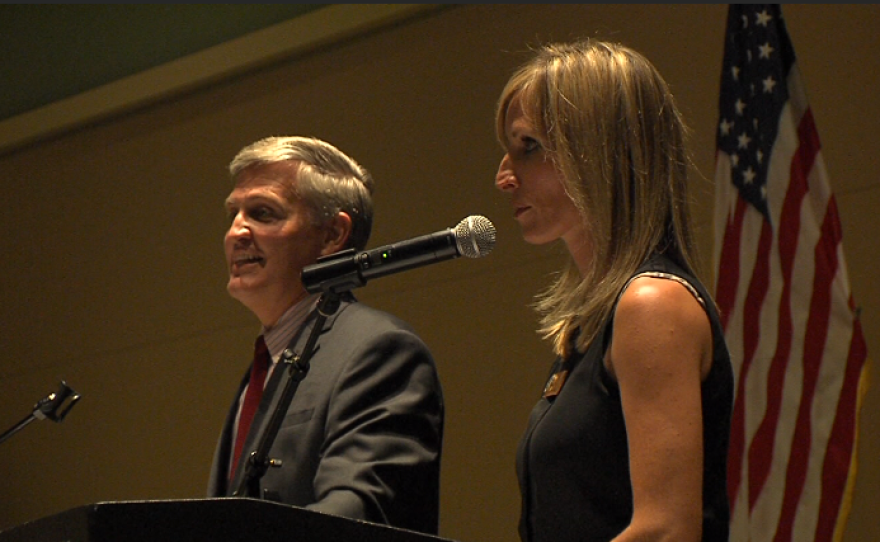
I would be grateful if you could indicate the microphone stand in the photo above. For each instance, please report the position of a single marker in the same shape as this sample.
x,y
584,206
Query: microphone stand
x,y
47,407
258,462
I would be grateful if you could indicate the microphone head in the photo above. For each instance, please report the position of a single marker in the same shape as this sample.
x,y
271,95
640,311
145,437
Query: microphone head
x,y
474,236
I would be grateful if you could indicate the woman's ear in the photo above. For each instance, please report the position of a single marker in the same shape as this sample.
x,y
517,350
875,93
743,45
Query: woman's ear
x,y
336,233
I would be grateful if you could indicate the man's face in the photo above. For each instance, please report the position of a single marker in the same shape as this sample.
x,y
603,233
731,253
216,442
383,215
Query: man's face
x,y
271,238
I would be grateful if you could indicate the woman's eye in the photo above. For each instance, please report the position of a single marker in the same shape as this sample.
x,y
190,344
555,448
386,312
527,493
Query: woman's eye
x,y
529,144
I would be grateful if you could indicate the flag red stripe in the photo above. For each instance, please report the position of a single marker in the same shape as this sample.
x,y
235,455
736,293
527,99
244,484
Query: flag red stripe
x,y
728,278
757,291
761,448
814,339
728,268
841,444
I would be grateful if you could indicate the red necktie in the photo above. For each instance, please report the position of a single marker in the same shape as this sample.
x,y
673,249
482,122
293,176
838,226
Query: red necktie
x,y
252,397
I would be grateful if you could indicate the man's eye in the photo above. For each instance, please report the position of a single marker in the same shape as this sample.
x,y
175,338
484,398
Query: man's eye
x,y
263,214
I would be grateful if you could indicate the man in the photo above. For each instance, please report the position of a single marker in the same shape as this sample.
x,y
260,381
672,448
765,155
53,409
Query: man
x,y
362,436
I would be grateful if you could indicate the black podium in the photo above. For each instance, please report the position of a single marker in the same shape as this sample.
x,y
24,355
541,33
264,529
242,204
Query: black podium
x,y
230,519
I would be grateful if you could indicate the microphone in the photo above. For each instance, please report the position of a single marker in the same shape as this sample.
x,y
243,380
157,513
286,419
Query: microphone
x,y
473,237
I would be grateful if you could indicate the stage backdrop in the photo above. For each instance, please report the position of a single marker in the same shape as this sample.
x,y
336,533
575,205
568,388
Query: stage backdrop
x,y
114,279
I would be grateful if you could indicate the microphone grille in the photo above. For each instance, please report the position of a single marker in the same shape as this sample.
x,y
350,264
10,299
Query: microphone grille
x,y
475,236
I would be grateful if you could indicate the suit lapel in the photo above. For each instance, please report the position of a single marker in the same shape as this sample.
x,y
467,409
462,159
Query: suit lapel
x,y
279,378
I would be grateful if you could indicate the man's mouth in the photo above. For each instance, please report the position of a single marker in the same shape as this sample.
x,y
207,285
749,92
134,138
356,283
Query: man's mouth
x,y
247,259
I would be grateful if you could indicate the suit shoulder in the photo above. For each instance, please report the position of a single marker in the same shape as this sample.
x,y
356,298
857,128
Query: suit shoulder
x,y
360,314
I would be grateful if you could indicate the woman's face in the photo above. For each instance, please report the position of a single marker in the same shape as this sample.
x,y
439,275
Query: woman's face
x,y
526,174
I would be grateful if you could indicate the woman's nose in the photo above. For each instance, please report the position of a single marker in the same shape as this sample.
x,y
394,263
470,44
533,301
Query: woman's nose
x,y
506,179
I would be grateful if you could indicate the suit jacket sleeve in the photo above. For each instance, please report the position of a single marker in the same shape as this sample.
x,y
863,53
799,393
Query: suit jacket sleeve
x,y
380,460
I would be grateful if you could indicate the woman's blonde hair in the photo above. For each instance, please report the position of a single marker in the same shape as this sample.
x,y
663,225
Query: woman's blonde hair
x,y
612,129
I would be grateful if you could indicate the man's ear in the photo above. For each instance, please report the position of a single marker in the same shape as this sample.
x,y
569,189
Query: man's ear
x,y
336,233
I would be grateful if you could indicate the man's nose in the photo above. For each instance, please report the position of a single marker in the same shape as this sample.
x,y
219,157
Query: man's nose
x,y
238,227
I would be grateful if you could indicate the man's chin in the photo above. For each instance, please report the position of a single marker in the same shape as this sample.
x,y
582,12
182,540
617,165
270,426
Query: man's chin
x,y
238,290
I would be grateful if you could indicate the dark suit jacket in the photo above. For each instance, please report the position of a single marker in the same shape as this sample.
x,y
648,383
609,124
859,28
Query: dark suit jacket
x,y
362,437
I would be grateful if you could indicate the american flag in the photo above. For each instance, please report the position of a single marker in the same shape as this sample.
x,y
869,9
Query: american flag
x,y
789,317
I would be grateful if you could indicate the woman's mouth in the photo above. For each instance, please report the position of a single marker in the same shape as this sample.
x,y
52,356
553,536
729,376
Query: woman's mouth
x,y
519,211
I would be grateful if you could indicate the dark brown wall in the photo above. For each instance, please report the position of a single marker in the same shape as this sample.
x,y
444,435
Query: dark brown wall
x,y
114,279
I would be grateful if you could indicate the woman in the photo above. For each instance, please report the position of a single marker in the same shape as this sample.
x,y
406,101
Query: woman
x,y
629,440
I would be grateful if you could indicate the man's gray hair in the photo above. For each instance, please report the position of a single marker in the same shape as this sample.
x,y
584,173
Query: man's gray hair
x,y
327,180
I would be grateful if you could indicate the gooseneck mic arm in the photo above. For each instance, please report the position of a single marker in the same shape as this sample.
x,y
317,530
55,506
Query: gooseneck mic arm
x,y
54,406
